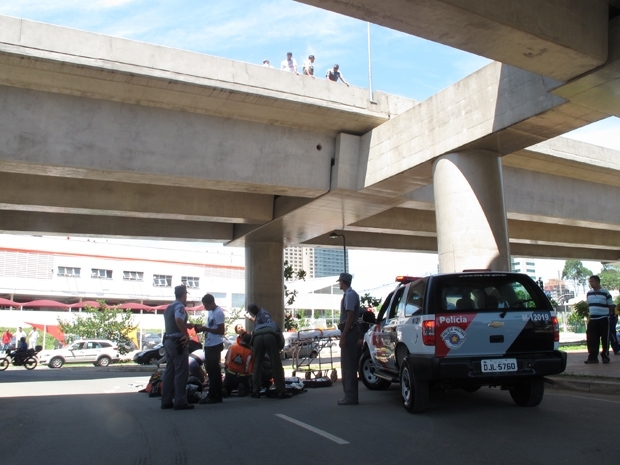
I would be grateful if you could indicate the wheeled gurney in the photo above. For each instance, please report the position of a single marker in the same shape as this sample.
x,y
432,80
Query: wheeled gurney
x,y
311,355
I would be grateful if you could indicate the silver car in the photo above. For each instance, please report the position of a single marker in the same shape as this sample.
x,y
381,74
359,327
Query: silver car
x,y
99,352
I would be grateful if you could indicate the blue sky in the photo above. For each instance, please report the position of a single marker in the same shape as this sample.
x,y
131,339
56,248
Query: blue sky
x,y
251,30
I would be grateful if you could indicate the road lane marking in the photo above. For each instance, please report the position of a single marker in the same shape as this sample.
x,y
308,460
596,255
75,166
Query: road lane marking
x,y
320,432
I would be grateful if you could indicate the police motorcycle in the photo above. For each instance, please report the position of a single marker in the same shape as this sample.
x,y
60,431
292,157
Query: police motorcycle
x,y
26,358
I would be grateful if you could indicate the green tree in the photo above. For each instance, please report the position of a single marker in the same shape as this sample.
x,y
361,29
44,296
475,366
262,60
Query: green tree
x,y
104,323
576,272
291,275
610,277
369,300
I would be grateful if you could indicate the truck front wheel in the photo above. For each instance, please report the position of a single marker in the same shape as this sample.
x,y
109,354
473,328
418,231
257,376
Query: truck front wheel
x,y
367,373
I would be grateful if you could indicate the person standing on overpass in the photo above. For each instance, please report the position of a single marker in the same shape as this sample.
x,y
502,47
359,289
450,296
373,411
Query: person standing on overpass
x,y
333,74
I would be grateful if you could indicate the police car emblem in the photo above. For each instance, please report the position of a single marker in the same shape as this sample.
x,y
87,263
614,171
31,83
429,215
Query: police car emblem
x,y
453,337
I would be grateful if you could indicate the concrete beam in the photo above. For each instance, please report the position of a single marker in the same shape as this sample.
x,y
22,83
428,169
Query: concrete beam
x,y
396,242
564,253
421,223
556,38
296,221
569,158
62,60
530,232
499,108
598,89
377,241
61,135
112,226
87,197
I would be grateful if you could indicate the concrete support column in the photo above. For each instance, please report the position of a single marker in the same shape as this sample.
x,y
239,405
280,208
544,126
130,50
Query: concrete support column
x,y
264,277
472,231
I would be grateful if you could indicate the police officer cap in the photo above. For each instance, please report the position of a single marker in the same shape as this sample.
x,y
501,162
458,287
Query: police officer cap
x,y
180,290
345,278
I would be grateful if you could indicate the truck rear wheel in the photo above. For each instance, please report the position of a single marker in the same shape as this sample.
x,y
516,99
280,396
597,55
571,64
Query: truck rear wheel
x,y
528,393
414,392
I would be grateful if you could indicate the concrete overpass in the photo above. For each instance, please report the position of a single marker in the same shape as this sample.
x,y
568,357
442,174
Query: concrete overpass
x,y
105,136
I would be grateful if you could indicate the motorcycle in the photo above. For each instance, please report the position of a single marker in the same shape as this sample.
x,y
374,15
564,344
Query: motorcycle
x,y
18,358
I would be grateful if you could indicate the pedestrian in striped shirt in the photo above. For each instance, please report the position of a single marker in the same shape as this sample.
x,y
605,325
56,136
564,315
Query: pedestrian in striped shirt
x,y
601,305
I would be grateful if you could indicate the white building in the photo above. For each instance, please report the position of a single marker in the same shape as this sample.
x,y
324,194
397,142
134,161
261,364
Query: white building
x,y
72,269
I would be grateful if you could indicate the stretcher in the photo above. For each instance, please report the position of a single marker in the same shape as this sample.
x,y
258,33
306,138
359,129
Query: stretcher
x,y
312,353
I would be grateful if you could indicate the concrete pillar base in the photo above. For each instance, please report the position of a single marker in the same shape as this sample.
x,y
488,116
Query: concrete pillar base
x,y
264,277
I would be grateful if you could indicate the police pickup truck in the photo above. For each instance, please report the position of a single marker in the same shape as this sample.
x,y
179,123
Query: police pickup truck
x,y
463,330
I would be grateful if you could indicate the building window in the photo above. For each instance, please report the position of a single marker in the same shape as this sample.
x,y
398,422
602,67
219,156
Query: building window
x,y
191,281
162,280
69,271
100,274
133,276
238,300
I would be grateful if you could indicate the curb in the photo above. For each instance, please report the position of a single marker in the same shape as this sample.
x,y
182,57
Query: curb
x,y
594,386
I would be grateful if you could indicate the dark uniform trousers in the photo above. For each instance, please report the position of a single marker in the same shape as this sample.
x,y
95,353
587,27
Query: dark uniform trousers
x,y
597,333
267,343
176,373
349,362
213,355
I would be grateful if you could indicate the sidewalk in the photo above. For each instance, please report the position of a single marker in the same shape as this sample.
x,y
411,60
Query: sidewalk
x,y
597,378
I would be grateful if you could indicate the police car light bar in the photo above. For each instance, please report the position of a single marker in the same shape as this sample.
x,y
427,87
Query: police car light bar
x,y
406,279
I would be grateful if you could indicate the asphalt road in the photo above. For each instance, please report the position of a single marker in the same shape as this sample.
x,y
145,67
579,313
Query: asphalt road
x,y
88,416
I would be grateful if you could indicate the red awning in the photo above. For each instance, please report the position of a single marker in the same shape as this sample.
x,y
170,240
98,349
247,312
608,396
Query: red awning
x,y
134,306
45,303
196,308
161,307
9,303
86,303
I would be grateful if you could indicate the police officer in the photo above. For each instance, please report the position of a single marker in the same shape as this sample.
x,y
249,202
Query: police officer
x,y
350,333
177,354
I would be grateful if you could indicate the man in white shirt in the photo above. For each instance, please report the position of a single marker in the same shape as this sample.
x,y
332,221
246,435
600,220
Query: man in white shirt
x,y
33,338
214,344
290,64
309,66
18,335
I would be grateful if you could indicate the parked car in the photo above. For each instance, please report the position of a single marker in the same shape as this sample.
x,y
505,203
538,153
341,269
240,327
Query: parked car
x,y
150,340
463,331
99,352
156,355
296,350
150,356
